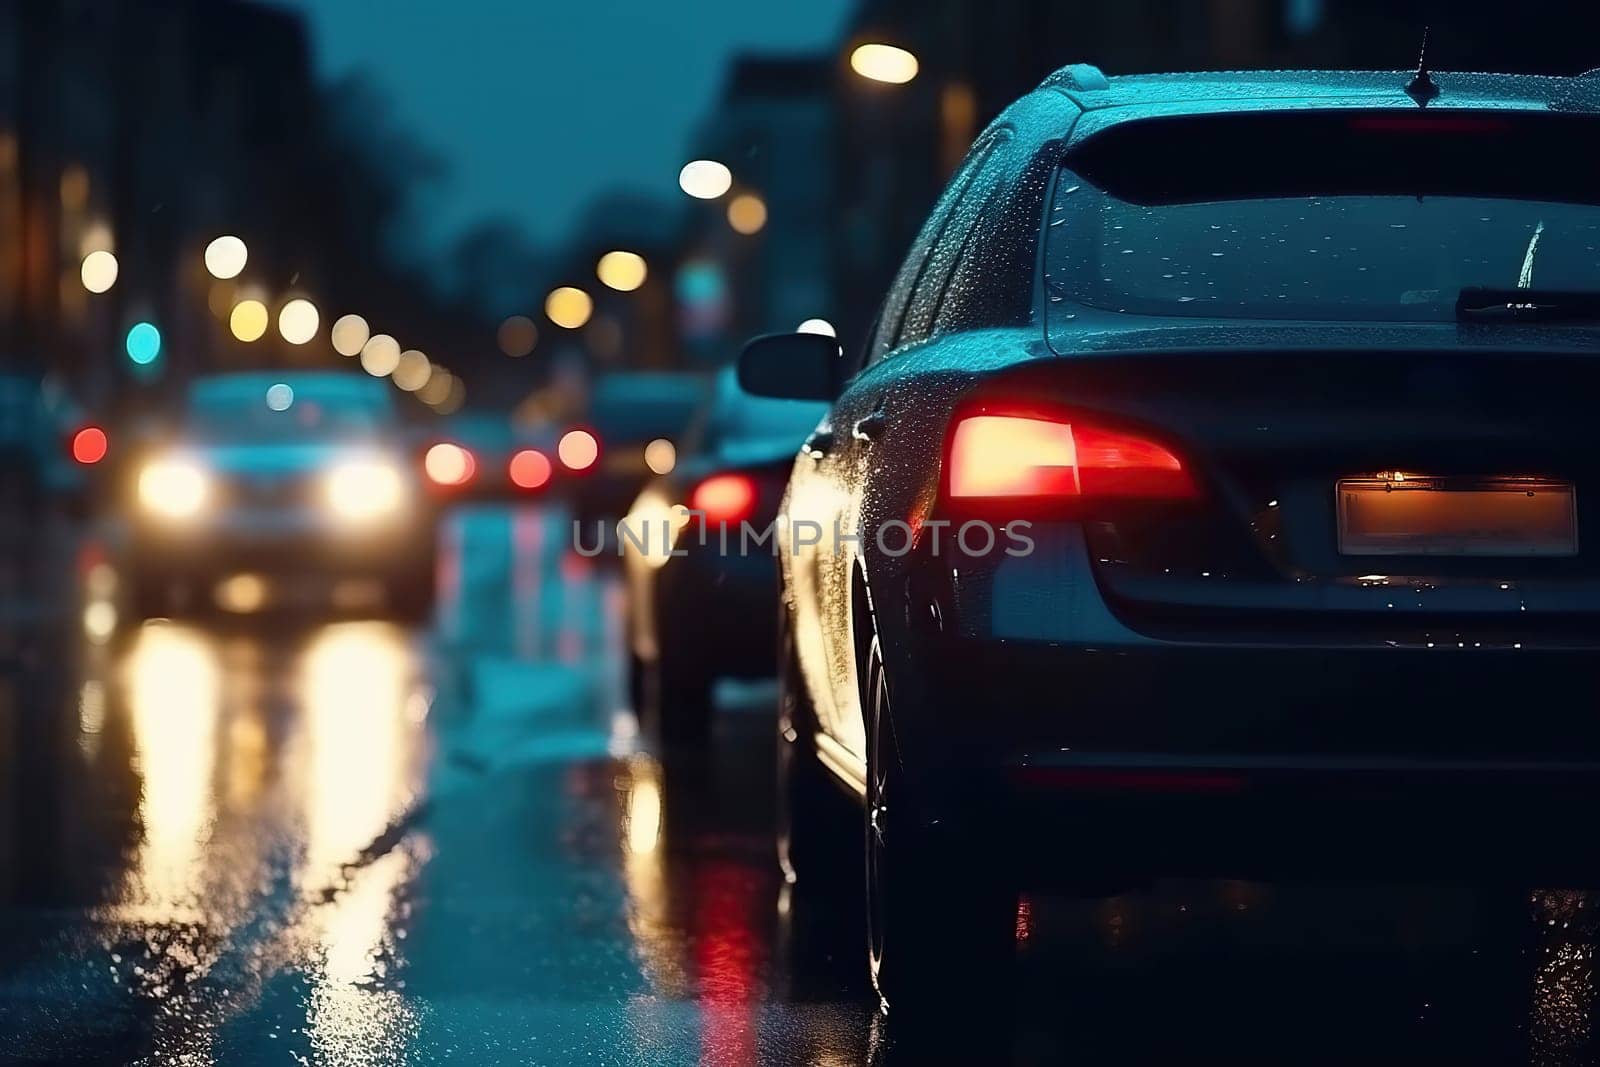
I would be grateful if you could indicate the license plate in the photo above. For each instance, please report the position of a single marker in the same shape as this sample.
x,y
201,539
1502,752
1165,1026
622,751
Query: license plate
x,y
1408,515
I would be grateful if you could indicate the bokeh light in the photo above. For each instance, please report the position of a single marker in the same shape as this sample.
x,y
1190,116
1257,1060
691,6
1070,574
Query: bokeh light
x,y
517,336
578,449
280,396
144,343
884,63
437,389
705,179
380,355
297,321
622,271
661,455
817,326
226,256
89,445
449,464
99,271
453,399
747,213
249,320
349,333
529,468
413,370
568,307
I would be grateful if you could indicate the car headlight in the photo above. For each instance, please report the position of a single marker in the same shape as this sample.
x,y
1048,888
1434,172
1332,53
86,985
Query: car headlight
x,y
361,490
174,488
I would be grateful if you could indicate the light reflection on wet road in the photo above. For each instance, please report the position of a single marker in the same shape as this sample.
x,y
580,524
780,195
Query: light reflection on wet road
x,y
344,842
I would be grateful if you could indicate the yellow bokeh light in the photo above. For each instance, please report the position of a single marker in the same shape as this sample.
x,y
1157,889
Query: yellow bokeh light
x,y
437,388
99,271
297,321
413,370
705,179
660,456
747,213
249,320
622,271
350,332
226,256
884,63
380,355
568,307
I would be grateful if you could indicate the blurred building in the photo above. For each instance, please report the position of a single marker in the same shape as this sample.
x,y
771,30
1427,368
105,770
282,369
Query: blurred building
x,y
760,258
141,130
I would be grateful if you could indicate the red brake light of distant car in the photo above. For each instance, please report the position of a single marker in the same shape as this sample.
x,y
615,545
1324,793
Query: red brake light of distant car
x,y
89,445
449,465
724,498
529,469
1012,456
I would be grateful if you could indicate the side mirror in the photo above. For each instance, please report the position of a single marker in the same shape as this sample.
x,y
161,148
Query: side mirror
x,y
792,366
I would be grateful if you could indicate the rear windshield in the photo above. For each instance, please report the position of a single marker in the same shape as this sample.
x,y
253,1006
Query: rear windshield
x,y
1367,222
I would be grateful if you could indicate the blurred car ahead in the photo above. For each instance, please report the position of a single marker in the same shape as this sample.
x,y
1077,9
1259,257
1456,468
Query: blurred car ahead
x,y
701,608
1213,509
486,456
276,490
627,413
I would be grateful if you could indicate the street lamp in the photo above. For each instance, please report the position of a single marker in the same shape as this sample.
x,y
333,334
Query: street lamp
x,y
622,271
225,257
747,213
380,355
297,321
248,320
99,271
349,333
705,179
568,307
884,63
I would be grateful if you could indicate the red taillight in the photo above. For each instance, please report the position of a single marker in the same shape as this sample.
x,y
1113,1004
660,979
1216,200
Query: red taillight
x,y
449,465
724,498
89,445
529,469
1029,456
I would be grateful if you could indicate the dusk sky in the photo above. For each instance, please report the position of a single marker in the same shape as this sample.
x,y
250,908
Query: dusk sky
x,y
537,104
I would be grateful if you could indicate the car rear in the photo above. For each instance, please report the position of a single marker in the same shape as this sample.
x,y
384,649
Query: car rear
x,y
1307,545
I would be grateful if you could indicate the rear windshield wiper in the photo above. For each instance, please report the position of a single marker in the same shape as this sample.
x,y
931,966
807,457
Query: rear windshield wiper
x,y
1477,303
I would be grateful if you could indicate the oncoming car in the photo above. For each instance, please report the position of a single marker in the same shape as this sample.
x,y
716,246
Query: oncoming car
x,y
698,554
278,490
1204,508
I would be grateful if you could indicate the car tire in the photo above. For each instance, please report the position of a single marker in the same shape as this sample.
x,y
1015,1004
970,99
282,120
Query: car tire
x,y
677,698
815,847
941,917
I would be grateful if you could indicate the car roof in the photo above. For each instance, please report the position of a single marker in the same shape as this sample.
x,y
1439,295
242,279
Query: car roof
x,y
324,385
1107,101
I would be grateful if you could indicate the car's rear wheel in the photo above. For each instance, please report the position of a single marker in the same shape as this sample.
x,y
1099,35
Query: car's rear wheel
x,y
677,697
940,914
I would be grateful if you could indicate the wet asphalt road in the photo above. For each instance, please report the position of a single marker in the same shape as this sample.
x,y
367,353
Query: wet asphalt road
x,y
348,842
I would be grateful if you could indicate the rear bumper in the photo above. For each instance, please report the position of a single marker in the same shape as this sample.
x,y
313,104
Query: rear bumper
x,y
724,607
1026,709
